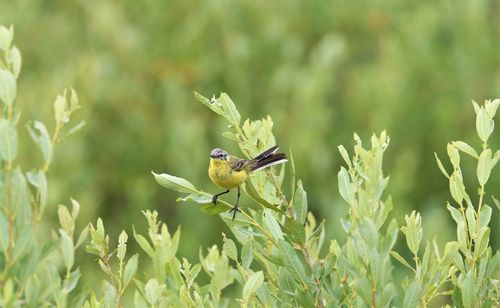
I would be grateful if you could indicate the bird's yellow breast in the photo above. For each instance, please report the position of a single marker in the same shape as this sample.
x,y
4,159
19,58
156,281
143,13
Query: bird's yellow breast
x,y
222,175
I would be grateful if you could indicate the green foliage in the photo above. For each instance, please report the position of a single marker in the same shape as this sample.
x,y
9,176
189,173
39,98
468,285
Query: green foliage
x,y
322,69
30,272
279,235
277,253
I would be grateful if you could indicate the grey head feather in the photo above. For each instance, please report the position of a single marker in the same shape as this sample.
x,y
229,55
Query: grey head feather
x,y
218,153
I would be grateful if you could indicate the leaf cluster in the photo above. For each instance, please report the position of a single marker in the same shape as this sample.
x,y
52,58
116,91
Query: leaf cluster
x,y
30,272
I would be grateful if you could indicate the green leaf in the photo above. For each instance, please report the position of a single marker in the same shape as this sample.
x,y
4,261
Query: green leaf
x,y
82,237
72,280
230,136
497,203
130,270
65,219
48,248
21,197
292,171
143,242
121,250
75,128
413,231
272,225
484,125
174,183
300,203
482,242
464,147
213,209
213,104
252,192
412,295
60,108
37,179
363,288
295,231
8,87
495,159
247,254
152,291
345,187
457,187
456,214
230,248
73,101
457,298
485,216
109,293
471,221
398,257
4,231
6,37
484,167
41,137
292,262
441,167
491,107
24,243
369,232
462,237
8,140
454,156
476,107
75,208
67,249
468,288
345,155
450,250
16,61
189,273
230,111
198,198
255,280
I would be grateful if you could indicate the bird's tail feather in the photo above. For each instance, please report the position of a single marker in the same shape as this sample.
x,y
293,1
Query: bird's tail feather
x,y
266,153
268,159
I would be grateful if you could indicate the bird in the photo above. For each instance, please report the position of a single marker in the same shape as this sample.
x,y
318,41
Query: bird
x,y
228,171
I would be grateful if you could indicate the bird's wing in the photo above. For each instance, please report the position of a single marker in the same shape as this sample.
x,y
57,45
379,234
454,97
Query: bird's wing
x,y
236,163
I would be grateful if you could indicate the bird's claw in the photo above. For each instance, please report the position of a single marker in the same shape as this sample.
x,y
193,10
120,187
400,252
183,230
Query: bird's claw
x,y
234,210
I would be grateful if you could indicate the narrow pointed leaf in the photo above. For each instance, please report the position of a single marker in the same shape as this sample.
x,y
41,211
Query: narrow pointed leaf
x,y
8,140
252,284
130,269
345,187
484,167
174,183
8,87
464,147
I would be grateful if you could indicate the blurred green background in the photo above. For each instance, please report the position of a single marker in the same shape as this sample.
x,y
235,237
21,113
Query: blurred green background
x,y
322,69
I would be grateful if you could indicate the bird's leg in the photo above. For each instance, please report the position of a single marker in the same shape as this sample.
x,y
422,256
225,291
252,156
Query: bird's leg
x,y
235,207
215,197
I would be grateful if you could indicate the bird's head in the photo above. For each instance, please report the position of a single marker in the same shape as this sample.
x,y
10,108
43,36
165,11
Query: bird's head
x,y
218,154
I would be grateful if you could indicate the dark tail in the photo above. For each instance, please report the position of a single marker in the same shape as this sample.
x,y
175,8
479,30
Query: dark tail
x,y
267,158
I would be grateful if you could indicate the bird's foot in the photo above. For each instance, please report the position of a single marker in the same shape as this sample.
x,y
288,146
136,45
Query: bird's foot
x,y
234,210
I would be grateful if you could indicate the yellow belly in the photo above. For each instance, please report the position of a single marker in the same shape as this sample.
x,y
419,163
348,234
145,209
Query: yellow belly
x,y
221,174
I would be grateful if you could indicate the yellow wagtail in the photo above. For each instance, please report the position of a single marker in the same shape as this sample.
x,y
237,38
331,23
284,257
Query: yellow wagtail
x,y
228,171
